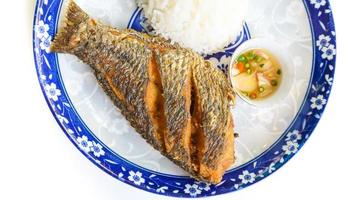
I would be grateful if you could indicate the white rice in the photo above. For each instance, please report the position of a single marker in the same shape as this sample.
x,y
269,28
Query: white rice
x,y
206,26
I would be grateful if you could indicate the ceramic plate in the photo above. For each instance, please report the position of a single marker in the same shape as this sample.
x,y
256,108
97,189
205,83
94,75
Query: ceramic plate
x,y
269,136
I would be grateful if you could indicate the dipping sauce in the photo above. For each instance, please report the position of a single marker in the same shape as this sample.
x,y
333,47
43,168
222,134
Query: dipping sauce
x,y
256,74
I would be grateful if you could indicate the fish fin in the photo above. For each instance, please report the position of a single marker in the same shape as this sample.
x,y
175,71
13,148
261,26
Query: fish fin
x,y
74,17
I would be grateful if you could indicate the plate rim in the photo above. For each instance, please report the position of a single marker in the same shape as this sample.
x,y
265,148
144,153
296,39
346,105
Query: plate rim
x,y
327,21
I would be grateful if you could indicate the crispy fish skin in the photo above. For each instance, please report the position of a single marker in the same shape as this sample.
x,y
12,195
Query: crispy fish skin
x,y
175,70
120,63
215,134
177,101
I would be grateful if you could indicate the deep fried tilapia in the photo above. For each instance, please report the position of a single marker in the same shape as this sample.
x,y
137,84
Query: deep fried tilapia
x,y
174,98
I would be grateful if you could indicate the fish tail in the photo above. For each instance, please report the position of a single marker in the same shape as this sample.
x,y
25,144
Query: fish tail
x,y
63,41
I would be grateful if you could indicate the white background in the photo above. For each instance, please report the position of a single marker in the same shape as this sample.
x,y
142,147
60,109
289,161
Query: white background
x,y
38,161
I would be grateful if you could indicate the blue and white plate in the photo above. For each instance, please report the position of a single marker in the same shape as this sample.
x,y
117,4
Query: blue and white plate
x,y
269,137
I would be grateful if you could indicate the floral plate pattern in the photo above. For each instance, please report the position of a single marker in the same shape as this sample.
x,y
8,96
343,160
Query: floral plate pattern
x,y
324,54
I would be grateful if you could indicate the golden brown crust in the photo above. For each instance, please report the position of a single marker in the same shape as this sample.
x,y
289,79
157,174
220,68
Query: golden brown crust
x,y
177,101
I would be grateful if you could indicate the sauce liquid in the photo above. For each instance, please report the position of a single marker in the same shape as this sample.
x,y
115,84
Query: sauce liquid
x,y
256,74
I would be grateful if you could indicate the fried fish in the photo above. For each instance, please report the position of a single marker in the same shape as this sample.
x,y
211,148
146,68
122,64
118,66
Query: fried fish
x,y
178,102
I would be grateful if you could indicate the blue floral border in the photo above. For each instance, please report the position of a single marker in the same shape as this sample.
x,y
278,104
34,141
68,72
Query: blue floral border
x,y
324,42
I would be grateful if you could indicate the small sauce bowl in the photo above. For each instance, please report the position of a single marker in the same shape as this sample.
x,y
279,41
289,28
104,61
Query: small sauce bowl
x,y
279,86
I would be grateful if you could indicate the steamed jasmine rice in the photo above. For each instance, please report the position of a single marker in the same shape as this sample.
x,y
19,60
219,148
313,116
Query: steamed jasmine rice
x,y
206,26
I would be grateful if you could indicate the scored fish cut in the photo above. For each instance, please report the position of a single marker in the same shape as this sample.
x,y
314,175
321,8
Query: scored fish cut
x,y
178,102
